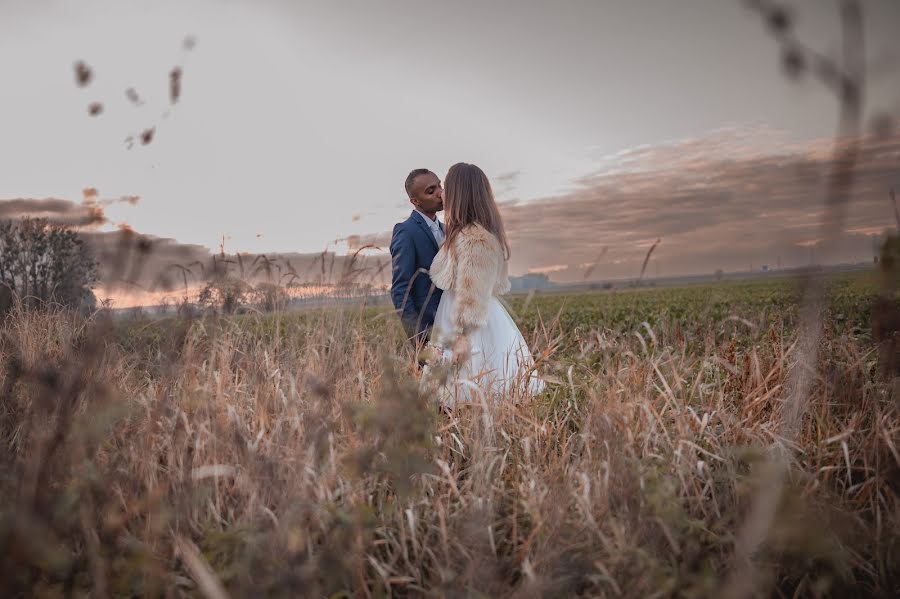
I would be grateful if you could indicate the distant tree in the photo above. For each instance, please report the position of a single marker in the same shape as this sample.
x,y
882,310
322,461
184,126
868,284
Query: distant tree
x,y
719,274
270,297
43,262
6,299
225,293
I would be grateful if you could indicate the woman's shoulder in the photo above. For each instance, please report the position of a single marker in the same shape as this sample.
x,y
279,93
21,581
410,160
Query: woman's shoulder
x,y
475,234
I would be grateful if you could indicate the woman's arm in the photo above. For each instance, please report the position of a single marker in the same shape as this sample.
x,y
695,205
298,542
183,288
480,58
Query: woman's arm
x,y
478,262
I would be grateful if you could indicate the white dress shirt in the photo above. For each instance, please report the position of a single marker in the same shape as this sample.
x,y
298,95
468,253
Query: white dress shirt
x,y
435,225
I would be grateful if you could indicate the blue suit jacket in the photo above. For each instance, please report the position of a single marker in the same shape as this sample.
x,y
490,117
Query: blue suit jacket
x,y
413,247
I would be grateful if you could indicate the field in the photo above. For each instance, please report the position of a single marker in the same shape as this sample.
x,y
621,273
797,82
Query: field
x,y
293,454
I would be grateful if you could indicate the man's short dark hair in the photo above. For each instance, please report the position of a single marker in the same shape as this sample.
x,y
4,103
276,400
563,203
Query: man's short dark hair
x,y
411,178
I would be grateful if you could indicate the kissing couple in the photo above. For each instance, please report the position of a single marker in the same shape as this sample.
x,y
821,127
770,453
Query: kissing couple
x,y
445,284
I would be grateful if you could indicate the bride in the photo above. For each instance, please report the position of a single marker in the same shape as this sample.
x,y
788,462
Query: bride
x,y
473,333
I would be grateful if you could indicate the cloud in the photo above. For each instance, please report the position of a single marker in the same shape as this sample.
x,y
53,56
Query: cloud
x,y
505,184
92,196
134,263
58,211
730,200
509,178
377,240
714,203
549,269
88,213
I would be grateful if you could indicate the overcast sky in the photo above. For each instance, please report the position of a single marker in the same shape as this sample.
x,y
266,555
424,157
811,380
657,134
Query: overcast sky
x,y
298,121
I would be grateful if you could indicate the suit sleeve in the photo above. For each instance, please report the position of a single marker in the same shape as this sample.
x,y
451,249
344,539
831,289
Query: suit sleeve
x,y
403,265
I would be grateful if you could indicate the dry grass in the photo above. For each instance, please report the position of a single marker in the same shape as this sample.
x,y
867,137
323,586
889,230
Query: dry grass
x,y
294,455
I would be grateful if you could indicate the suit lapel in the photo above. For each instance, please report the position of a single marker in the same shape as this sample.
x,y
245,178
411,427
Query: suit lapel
x,y
421,221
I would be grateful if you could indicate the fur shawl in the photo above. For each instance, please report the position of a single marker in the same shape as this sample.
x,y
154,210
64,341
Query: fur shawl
x,y
474,270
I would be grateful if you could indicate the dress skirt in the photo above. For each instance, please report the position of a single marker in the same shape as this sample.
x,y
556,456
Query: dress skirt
x,y
500,365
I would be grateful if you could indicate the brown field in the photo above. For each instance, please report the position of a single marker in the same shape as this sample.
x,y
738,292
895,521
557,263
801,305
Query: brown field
x,y
292,454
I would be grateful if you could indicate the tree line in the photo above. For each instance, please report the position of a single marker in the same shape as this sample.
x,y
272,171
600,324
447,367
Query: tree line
x,y
43,262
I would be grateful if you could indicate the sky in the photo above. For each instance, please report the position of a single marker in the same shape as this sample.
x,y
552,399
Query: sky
x,y
298,121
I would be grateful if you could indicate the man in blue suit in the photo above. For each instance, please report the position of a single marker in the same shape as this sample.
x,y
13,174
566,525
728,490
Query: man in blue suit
x,y
414,244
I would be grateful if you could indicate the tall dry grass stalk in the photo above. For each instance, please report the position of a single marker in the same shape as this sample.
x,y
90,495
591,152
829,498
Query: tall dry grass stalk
x,y
846,78
293,455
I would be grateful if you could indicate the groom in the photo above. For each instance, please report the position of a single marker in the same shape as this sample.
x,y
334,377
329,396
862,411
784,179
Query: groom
x,y
414,244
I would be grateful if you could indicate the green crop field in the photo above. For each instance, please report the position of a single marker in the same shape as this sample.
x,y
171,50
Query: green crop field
x,y
732,308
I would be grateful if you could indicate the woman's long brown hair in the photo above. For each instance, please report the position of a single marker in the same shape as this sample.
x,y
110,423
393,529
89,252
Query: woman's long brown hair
x,y
468,199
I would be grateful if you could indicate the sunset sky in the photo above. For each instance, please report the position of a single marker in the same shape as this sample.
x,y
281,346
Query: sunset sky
x,y
602,124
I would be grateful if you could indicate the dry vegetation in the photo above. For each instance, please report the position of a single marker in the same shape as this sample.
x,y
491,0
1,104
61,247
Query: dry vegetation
x,y
293,455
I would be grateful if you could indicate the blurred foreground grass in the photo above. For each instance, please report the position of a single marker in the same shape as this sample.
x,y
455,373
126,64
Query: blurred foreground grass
x,y
292,454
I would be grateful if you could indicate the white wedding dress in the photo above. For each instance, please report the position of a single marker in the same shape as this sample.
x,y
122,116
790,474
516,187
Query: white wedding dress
x,y
499,365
